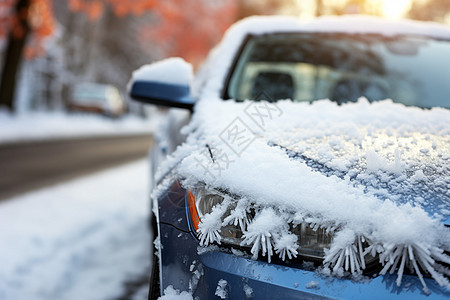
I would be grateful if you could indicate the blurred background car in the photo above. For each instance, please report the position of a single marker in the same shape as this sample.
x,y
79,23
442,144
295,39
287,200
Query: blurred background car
x,y
97,98
219,232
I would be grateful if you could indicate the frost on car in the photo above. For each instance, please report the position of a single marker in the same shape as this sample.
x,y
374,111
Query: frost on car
x,y
276,193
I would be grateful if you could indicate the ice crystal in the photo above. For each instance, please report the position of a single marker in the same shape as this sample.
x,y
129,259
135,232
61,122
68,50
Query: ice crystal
x,y
287,245
268,232
272,230
346,253
210,225
263,231
417,257
239,216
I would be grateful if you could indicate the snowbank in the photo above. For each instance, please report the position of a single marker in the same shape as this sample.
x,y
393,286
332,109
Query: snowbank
x,y
57,125
79,240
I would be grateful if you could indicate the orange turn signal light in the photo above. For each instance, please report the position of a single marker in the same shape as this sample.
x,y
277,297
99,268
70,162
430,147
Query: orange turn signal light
x,y
193,210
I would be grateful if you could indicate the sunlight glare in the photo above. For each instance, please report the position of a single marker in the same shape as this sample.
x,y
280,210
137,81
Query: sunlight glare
x,y
395,9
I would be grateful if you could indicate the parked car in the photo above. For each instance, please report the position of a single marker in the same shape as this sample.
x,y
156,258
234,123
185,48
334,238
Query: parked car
x,y
97,98
273,193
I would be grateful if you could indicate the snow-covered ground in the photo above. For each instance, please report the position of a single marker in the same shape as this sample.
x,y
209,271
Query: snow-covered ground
x,y
84,239
56,125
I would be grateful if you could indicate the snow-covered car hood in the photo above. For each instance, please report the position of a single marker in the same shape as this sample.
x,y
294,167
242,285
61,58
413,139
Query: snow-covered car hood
x,y
389,150
374,172
403,167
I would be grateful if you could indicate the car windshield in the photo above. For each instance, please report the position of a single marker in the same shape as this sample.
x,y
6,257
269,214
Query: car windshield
x,y
412,70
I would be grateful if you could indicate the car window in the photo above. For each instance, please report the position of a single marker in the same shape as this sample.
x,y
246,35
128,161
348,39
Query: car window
x,y
90,93
412,70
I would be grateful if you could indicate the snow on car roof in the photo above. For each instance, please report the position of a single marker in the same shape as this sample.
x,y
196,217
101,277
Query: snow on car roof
x,y
341,24
222,57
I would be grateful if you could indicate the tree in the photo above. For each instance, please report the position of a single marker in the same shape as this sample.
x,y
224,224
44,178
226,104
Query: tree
x,y
343,7
189,28
266,7
27,20
24,16
431,10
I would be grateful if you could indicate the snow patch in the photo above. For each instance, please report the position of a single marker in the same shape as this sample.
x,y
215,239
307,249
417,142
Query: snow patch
x,y
312,285
39,126
78,244
170,293
174,70
248,291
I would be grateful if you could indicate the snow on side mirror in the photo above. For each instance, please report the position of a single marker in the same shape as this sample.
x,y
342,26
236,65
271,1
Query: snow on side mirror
x,y
166,83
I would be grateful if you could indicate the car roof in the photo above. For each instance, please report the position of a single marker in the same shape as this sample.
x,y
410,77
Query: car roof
x,y
352,24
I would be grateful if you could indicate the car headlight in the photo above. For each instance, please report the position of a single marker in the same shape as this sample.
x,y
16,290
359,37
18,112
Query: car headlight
x,y
312,241
221,218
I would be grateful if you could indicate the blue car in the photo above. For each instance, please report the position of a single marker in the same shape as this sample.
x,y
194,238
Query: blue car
x,y
305,160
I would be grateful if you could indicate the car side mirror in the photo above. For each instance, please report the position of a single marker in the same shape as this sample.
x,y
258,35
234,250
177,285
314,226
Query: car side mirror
x,y
165,83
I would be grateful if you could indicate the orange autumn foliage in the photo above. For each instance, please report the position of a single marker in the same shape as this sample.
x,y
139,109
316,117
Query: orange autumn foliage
x,y
136,7
94,8
187,28
39,16
42,23
190,28
6,19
